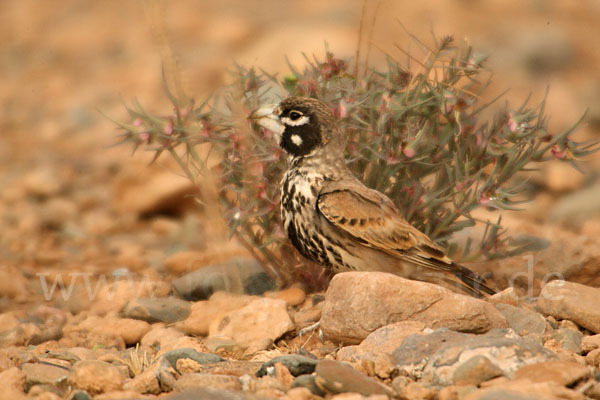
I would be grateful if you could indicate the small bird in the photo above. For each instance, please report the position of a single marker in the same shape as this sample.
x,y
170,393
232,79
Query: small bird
x,y
334,219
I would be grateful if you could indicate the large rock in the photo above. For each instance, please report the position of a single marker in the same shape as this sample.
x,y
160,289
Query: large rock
x,y
572,301
439,357
256,325
357,303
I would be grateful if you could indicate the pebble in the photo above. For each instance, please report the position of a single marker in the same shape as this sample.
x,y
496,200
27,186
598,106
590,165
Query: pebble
x,y
238,275
564,373
418,391
522,320
525,390
130,330
187,353
255,326
36,374
166,309
112,298
183,262
158,192
572,301
381,341
160,337
337,377
155,379
568,339
292,296
475,370
208,393
589,343
13,383
308,382
96,376
204,312
357,303
507,296
593,358
297,365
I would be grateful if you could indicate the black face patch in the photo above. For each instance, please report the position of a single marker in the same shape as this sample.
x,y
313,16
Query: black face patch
x,y
299,140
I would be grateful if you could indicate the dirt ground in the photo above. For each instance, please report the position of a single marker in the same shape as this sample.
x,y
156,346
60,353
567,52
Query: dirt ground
x,y
71,203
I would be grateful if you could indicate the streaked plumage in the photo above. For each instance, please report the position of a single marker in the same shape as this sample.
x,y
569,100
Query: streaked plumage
x,y
334,219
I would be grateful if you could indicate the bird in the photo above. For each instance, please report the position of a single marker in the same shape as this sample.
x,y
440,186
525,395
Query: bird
x,y
335,220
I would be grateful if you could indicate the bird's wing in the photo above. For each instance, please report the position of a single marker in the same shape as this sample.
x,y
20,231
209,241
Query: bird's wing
x,y
373,220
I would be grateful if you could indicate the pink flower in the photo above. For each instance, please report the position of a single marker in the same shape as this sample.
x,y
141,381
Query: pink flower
x,y
145,136
392,158
484,199
408,152
168,128
342,110
137,122
512,125
557,153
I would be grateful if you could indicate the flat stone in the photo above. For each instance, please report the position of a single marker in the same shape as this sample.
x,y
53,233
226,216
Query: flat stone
x,y
166,309
358,303
204,312
36,374
475,370
564,373
381,341
502,388
435,357
256,325
572,301
192,380
338,377
130,330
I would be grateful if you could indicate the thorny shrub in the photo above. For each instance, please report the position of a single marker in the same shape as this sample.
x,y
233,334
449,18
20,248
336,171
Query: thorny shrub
x,y
416,136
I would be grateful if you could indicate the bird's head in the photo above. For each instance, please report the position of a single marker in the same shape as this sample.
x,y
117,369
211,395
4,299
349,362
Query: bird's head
x,y
301,124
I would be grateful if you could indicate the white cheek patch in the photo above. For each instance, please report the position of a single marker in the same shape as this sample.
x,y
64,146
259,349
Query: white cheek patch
x,y
300,121
297,140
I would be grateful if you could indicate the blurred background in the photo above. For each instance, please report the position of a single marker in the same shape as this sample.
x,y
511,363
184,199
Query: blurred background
x,y
71,202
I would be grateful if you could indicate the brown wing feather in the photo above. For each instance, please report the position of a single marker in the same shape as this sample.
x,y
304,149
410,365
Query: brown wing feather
x,y
372,219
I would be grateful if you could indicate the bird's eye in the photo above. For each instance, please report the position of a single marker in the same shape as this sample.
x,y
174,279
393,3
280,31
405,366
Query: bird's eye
x,y
294,115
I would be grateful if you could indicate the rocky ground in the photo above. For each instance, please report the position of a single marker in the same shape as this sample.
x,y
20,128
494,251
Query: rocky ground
x,y
115,284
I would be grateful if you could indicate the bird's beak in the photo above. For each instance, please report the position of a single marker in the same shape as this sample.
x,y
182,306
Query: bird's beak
x,y
265,116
